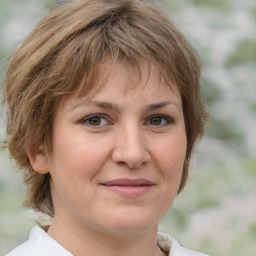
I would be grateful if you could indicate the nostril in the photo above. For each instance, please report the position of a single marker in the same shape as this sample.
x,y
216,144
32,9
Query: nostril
x,y
127,165
131,153
122,163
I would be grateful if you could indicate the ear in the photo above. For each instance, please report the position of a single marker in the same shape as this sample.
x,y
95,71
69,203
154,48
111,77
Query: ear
x,y
39,161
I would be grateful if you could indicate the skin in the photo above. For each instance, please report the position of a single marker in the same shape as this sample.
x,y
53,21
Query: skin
x,y
120,133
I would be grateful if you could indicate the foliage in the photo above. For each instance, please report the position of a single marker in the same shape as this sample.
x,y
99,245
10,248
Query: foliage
x,y
210,91
254,14
216,211
220,5
245,52
6,9
3,56
224,129
50,4
253,106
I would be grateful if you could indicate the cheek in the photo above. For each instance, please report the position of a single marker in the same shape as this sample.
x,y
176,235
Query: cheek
x,y
73,167
77,155
171,152
171,156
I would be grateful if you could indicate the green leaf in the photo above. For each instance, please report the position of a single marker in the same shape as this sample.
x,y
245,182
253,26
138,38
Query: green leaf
x,y
245,52
221,5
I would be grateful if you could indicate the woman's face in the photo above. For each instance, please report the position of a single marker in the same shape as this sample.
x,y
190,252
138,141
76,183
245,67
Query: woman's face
x,y
117,158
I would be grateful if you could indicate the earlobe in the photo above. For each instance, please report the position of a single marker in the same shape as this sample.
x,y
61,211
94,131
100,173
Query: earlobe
x,y
39,161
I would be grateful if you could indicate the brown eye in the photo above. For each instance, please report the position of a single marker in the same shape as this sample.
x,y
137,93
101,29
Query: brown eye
x,y
155,121
159,120
94,121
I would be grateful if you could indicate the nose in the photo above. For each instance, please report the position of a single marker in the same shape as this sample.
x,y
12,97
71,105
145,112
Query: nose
x,y
130,148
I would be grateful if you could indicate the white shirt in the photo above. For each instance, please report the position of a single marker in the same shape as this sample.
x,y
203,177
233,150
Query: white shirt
x,y
41,244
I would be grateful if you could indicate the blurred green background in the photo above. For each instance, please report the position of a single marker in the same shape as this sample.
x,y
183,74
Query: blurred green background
x,y
216,213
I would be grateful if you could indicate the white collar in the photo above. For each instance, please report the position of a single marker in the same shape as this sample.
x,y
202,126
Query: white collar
x,y
169,244
41,244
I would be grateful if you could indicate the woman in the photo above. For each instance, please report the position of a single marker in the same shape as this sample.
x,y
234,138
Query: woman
x,y
103,113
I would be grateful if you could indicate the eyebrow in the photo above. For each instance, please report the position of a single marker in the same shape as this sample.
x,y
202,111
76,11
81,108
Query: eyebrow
x,y
100,104
116,108
162,104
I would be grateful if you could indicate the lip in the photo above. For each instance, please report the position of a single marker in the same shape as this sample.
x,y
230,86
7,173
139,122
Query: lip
x,y
129,187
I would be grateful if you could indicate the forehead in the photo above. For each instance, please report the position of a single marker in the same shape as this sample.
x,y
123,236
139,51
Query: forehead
x,y
126,77
127,86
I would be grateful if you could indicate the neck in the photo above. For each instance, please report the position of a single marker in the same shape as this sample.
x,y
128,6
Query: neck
x,y
82,241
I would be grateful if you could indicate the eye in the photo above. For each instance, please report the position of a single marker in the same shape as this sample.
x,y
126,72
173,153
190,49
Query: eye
x,y
95,121
159,120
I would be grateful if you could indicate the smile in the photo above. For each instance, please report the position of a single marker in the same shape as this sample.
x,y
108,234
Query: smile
x,y
129,188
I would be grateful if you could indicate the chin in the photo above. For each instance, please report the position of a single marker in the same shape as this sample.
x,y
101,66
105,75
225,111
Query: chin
x,y
131,224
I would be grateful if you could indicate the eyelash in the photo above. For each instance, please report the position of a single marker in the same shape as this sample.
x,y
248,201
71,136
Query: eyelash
x,y
168,120
86,121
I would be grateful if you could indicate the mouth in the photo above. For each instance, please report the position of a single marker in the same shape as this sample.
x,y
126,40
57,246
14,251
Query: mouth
x,y
128,187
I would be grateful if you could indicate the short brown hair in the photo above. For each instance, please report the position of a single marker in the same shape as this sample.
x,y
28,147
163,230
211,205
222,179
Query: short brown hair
x,y
62,55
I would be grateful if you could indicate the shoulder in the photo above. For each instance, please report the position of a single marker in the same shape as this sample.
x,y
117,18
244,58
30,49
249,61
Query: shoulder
x,y
169,244
39,244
